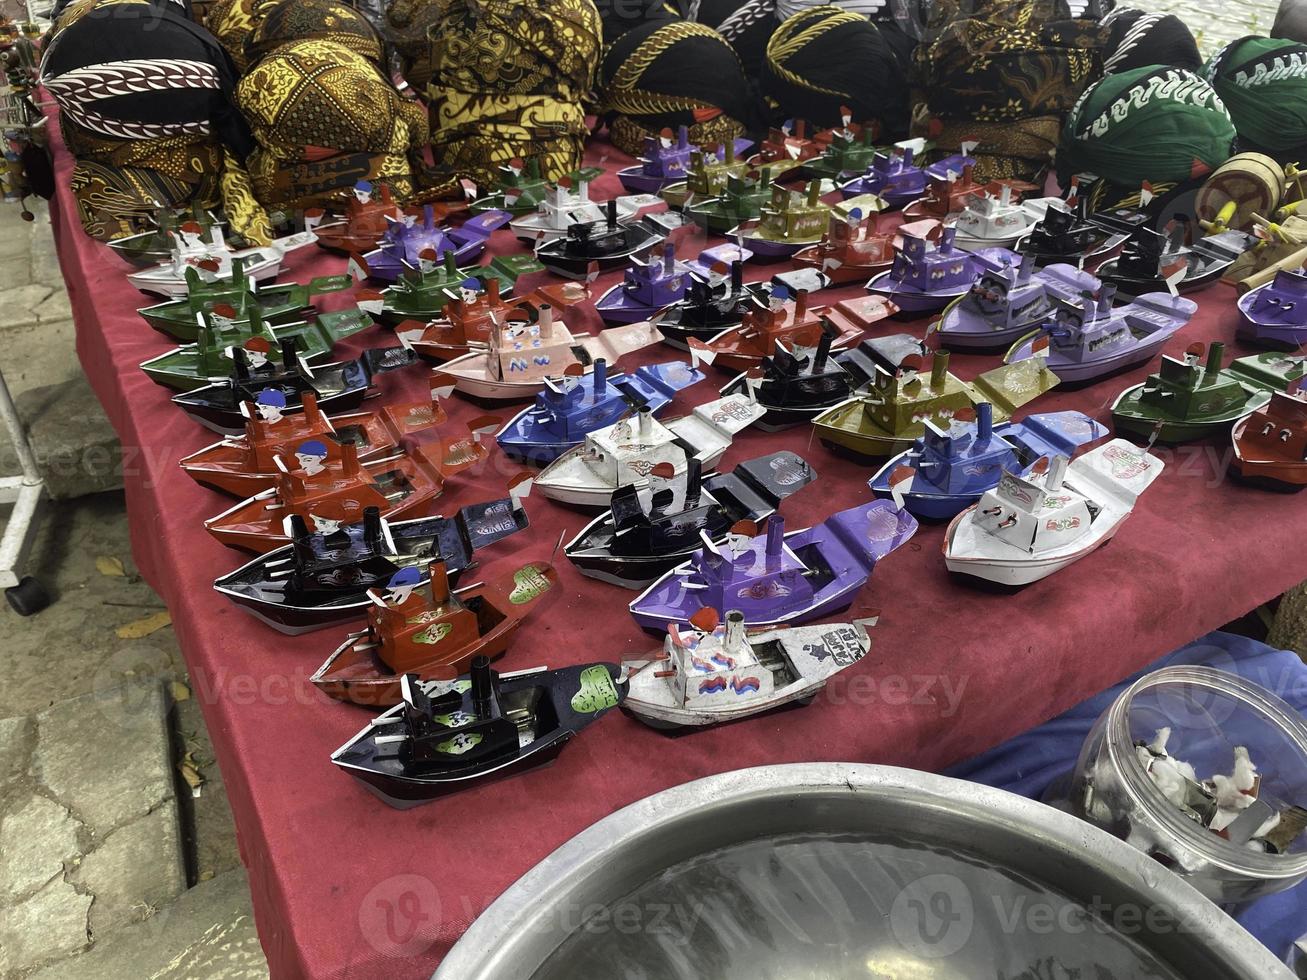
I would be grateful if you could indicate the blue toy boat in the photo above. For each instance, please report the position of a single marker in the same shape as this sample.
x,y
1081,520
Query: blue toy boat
x,y
953,467
573,406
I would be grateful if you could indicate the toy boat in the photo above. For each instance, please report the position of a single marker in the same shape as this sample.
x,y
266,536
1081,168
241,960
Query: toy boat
x,y
924,278
796,385
648,285
665,161
646,533
471,314
740,201
714,674
329,492
1150,262
787,147
1005,301
245,465
322,580
945,196
1270,444
212,261
710,306
277,303
706,177
1085,339
568,203
446,736
846,154
190,366
1064,235
407,238
777,578
521,188
433,633
422,292
892,176
574,406
363,224
520,356
598,246
782,321
890,415
951,466
1186,400
788,222
992,221
339,386
627,452
1027,528
156,245
852,250
1275,315
890,353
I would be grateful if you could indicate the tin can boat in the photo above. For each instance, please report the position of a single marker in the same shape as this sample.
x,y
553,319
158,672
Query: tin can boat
x,y
740,200
1150,262
591,247
1065,235
851,250
711,304
521,187
649,284
782,321
472,312
846,154
665,161
925,277
1270,444
787,223
892,176
992,220
155,245
422,292
567,203
407,238
1275,315
787,147
212,261
796,385
706,177
778,578
363,224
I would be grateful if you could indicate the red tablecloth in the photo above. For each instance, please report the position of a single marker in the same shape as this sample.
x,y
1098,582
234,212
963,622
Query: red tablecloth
x,y
344,886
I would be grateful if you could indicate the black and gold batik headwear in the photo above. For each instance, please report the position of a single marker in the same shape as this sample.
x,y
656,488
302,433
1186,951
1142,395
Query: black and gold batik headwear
x,y
508,80
824,58
672,74
325,117
232,22
145,98
278,22
747,26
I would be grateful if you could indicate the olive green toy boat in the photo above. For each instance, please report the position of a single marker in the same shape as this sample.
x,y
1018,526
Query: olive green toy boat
x,y
705,178
740,201
421,294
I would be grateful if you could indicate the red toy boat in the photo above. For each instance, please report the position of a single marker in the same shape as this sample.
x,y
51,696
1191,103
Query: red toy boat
x,y
244,466
434,634
851,251
855,315
330,494
944,197
1270,445
788,148
469,319
363,224
782,321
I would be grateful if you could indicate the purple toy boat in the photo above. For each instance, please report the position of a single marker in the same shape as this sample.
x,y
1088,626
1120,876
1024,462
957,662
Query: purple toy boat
x,y
1006,301
779,578
954,164
1275,315
647,286
1087,339
927,277
664,162
893,177
407,238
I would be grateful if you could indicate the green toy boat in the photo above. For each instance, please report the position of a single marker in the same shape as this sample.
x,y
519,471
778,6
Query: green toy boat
x,y
191,366
155,246
890,414
421,294
277,302
846,156
522,188
1189,398
705,178
741,200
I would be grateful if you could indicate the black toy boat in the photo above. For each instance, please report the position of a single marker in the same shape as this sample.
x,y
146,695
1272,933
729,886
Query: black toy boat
x,y
710,306
1151,262
1065,235
589,246
641,537
340,386
447,735
886,353
321,579
797,385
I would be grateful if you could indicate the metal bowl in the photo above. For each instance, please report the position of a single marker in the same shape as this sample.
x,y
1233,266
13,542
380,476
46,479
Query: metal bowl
x,y
831,870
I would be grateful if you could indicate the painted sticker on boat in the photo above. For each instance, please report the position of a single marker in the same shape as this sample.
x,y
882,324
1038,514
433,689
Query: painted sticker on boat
x,y
459,744
596,692
841,645
455,719
434,633
528,583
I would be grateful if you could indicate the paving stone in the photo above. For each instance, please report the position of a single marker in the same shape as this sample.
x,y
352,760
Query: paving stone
x,y
26,304
76,449
134,871
37,354
15,740
49,925
36,838
207,932
106,756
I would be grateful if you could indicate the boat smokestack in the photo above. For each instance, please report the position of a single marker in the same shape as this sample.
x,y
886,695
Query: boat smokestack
x,y
289,356
240,363
823,346
669,259
612,214
492,291
645,421
737,276
734,640
1027,267
349,458
775,538
439,582
309,400
1106,295
1215,353
372,527
683,137
451,263
814,193
984,421
600,377
728,149
800,305
939,369
693,481
1056,473
483,686
546,322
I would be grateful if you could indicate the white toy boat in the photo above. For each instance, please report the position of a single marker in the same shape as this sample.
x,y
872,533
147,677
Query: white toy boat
x,y
520,356
567,203
718,673
627,452
992,222
1027,528
213,261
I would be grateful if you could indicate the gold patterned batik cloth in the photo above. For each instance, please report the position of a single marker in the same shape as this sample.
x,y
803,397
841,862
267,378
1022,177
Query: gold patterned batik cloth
x,y
278,22
508,78
325,118
232,22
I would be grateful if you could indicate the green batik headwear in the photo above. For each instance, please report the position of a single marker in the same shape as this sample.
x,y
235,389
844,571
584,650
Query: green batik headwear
x,y
1263,83
1155,123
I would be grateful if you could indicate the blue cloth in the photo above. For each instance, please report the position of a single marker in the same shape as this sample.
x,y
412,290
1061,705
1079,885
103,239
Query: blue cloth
x,y
1030,762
